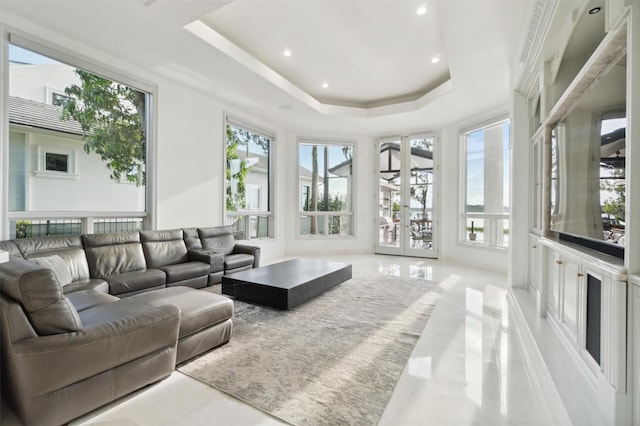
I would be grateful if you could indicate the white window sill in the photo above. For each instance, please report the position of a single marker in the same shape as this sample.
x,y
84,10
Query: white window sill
x,y
55,175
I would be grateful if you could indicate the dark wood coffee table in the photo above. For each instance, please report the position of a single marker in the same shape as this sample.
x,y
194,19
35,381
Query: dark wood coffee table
x,y
287,284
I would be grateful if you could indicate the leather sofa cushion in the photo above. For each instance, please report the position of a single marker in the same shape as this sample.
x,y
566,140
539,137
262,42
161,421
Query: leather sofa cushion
x,y
234,261
85,299
135,281
192,238
40,295
163,247
214,259
68,247
218,238
111,254
185,271
57,265
198,309
10,247
97,284
30,246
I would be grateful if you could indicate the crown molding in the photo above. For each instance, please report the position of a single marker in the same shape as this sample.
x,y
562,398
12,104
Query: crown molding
x,y
541,16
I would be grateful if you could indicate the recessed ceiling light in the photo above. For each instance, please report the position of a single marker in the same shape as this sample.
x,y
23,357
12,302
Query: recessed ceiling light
x,y
325,85
421,10
435,59
286,52
594,10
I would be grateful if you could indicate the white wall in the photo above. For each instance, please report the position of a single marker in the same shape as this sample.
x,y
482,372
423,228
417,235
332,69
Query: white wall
x,y
88,187
34,81
190,149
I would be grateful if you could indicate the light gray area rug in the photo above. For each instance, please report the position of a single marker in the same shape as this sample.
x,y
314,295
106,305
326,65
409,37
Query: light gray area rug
x,y
334,360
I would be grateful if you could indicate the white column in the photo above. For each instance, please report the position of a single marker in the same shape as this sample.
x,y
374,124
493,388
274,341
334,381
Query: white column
x,y
493,181
520,207
4,135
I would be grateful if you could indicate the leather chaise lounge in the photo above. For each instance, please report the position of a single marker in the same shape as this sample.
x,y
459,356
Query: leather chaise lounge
x,y
88,319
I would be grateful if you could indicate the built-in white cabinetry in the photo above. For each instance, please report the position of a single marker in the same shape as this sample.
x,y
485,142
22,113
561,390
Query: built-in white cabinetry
x,y
587,306
634,381
535,272
578,83
614,12
536,181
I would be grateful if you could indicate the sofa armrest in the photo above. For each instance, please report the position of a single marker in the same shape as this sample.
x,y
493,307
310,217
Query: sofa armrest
x,y
252,250
43,364
215,259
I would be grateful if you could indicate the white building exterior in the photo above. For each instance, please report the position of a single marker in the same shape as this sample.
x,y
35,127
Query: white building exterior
x,y
34,135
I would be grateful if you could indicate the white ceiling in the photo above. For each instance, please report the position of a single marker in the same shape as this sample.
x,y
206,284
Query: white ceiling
x,y
375,54
370,53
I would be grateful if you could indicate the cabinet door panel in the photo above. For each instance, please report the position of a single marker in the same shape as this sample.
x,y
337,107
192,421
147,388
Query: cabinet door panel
x,y
572,279
554,284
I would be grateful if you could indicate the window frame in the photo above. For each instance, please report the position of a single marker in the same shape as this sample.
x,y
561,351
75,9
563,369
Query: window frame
x,y
246,213
53,94
493,217
78,60
41,167
325,214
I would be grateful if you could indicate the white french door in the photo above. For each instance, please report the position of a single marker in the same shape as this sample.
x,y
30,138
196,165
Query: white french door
x,y
406,224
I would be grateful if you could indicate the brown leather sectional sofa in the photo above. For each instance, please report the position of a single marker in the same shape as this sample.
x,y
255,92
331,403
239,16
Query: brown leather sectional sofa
x,y
108,314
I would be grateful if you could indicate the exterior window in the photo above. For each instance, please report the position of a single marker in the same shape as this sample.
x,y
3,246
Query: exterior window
x,y
89,124
248,180
59,99
325,180
56,162
485,215
305,194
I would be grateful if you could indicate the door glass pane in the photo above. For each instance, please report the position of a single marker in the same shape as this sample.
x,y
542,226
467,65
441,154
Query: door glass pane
x,y
421,190
390,202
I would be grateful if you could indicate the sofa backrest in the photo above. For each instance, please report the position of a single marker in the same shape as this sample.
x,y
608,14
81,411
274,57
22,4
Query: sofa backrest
x,y
10,247
218,238
68,247
192,238
38,291
163,247
115,253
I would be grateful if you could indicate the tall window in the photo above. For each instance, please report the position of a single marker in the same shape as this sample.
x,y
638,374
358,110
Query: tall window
x,y
74,138
325,181
485,213
248,180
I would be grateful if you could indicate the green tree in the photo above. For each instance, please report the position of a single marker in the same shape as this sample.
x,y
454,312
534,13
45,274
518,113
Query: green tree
x,y
240,141
112,117
336,203
314,188
615,204
236,172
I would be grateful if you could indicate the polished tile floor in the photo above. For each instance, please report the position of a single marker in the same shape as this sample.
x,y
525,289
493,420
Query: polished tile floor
x,y
468,367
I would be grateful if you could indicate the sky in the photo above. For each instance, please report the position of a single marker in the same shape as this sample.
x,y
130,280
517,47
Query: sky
x,y
18,54
476,164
